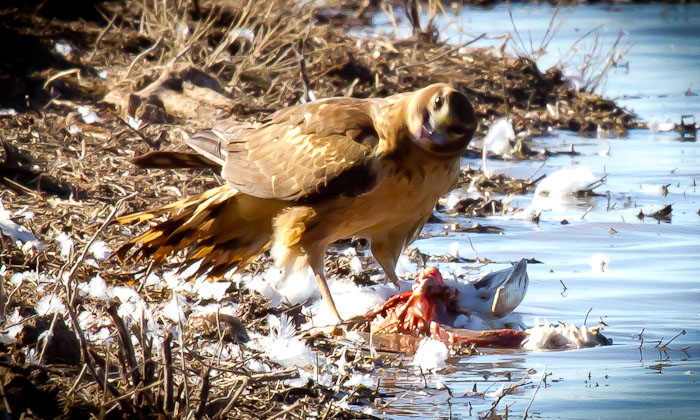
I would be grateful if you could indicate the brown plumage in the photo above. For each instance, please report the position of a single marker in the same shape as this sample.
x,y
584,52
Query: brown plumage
x,y
312,174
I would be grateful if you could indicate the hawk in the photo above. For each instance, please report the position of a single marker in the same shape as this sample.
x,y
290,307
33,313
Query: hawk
x,y
310,175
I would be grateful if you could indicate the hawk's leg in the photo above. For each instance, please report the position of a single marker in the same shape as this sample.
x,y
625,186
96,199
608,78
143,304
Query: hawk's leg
x,y
387,252
316,262
387,246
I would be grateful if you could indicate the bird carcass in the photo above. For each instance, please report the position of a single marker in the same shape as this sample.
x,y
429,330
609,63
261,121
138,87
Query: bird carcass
x,y
437,309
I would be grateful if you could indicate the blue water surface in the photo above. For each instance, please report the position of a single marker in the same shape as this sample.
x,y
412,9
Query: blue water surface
x,y
652,282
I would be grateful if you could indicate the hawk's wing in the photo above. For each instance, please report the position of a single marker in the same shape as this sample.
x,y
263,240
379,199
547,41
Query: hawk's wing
x,y
306,152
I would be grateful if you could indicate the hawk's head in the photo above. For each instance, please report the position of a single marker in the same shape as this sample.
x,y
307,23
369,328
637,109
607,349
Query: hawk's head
x,y
441,120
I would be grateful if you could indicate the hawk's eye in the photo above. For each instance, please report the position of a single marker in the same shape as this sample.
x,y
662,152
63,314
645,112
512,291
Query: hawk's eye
x,y
439,101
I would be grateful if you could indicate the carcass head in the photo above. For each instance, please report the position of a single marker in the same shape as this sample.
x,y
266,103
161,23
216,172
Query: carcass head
x,y
494,295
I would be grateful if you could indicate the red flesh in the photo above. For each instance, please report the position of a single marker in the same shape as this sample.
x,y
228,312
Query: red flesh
x,y
413,313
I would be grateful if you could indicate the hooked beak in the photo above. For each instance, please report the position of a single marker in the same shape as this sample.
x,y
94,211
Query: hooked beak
x,y
428,131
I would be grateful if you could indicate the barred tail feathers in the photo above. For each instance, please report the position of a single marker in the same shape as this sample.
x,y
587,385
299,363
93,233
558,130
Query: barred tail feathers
x,y
216,227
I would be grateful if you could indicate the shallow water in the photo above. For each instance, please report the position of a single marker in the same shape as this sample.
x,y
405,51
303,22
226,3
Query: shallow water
x,y
651,282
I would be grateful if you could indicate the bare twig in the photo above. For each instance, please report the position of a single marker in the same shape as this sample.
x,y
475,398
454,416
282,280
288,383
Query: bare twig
x,y
286,410
125,344
168,404
203,394
587,313
141,55
47,339
544,374
100,36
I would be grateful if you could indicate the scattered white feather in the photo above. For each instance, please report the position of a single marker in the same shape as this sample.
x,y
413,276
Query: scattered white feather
x,y
652,189
92,263
88,115
63,48
174,310
359,379
342,363
262,285
497,393
206,289
661,127
356,265
454,197
100,250
600,133
49,304
10,334
102,335
18,278
565,181
40,279
18,233
430,355
182,281
74,130
454,249
134,123
183,29
103,74
301,381
349,252
350,299
556,191
126,294
256,365
213,308
499,136
244,33
95,288
284,346
7,112
560,336
405,266
65,245
497,141
573,80
133,308
24,213
439,383
298,286
599,262
223,351
86,320
154,280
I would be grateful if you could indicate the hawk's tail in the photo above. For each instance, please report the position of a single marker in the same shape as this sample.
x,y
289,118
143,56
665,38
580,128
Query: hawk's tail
x,y
216,227
171,160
